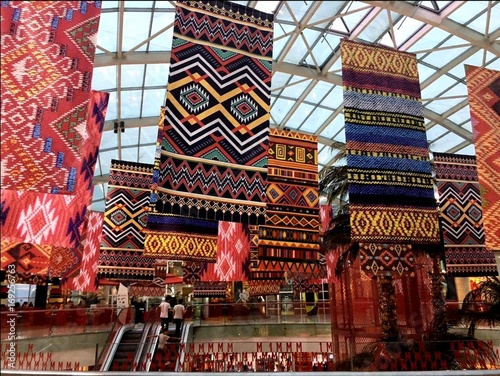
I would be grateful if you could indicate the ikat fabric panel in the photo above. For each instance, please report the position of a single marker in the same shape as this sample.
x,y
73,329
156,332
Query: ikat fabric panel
x,y
483,86
48,53
462,216
391,191
212,150
125,219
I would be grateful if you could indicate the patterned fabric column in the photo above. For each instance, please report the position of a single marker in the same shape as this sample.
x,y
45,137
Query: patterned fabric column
x,y
391,191
289,241
461,216
483,86
125,218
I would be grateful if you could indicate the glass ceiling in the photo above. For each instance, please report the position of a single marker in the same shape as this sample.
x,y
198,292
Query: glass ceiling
x,y
133,55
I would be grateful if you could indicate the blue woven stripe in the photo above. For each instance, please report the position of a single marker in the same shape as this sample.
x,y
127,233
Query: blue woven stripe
x,y
383,103
385,163
386,135
390,190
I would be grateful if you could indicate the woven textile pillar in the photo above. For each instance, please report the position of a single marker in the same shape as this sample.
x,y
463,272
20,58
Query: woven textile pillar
x,y
125,218
461,216
289,241
213,147
389,171
483,86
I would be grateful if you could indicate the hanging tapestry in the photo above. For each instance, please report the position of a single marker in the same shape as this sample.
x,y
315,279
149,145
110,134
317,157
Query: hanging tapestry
x,y
378,258
210,289
483,86
125,220
43,218
86,280
462,216
28,259
258,288
48,51
391,191
213,158
155,287
291,233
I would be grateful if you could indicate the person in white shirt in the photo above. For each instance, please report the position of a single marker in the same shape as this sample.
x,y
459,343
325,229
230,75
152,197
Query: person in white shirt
x,y
164,311
179,312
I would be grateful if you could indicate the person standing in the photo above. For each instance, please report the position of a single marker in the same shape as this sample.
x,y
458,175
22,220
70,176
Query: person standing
x,y
179,312
164,311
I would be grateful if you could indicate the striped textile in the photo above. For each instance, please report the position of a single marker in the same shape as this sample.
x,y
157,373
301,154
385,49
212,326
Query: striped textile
x,y
212,150
483,86
462,216
389,171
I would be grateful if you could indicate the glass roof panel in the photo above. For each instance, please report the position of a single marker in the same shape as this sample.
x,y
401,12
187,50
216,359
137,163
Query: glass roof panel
x,y
162,42
129,154
153,100
324,49
149,135
435,132
424,72
335,129
317,118
297,52
112,112
109,140
267,6
438,87
98,201
138,4
104,78
429,40
325,155
321,18
157,74
164,5
459,116
468,150
377,27
131,103
335,98
130,137
299,116
357,11
446,143
132,75
279,81
318,92
441,106
133,35
280,109
468,11
296,87
107,35
147,154
111,4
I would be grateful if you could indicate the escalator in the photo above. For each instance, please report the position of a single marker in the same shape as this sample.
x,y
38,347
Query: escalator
x,y
123,358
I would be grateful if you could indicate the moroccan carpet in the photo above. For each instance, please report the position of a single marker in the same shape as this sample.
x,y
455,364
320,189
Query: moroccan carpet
x,y
48,53
462,216
213,155
389,171
483,86
289,241
125,218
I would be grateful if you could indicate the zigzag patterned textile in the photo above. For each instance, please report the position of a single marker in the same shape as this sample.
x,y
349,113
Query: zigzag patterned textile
x,y
389,171
290,236
48,50
258,288
462,216
125,220
483,86
210,289
86,279
214,143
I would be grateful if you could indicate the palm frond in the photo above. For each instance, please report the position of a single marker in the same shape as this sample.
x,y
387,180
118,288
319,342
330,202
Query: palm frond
x,y
333,183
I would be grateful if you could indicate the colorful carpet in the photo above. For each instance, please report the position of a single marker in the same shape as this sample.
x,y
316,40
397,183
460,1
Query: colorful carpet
x,y
213,146
483,86
48,53
290,237
462,216
125,220
389,171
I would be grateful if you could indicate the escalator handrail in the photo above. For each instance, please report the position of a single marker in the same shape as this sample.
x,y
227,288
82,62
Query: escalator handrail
x,y
146,334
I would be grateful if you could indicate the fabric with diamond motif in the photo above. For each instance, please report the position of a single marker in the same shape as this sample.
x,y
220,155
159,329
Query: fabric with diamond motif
x,y
125,220
483,86
212,153
48,53
391,191
462,216
377,258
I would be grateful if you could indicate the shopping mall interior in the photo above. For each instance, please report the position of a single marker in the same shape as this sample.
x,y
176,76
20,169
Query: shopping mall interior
x,y
311,186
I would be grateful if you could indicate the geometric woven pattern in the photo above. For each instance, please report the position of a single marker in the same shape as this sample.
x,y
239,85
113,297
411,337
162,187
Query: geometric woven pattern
x,y
47,62
461,216
210,289
86,279
257,288
212,149
391,191
125,220
483,86
291,232
378,259
28,259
